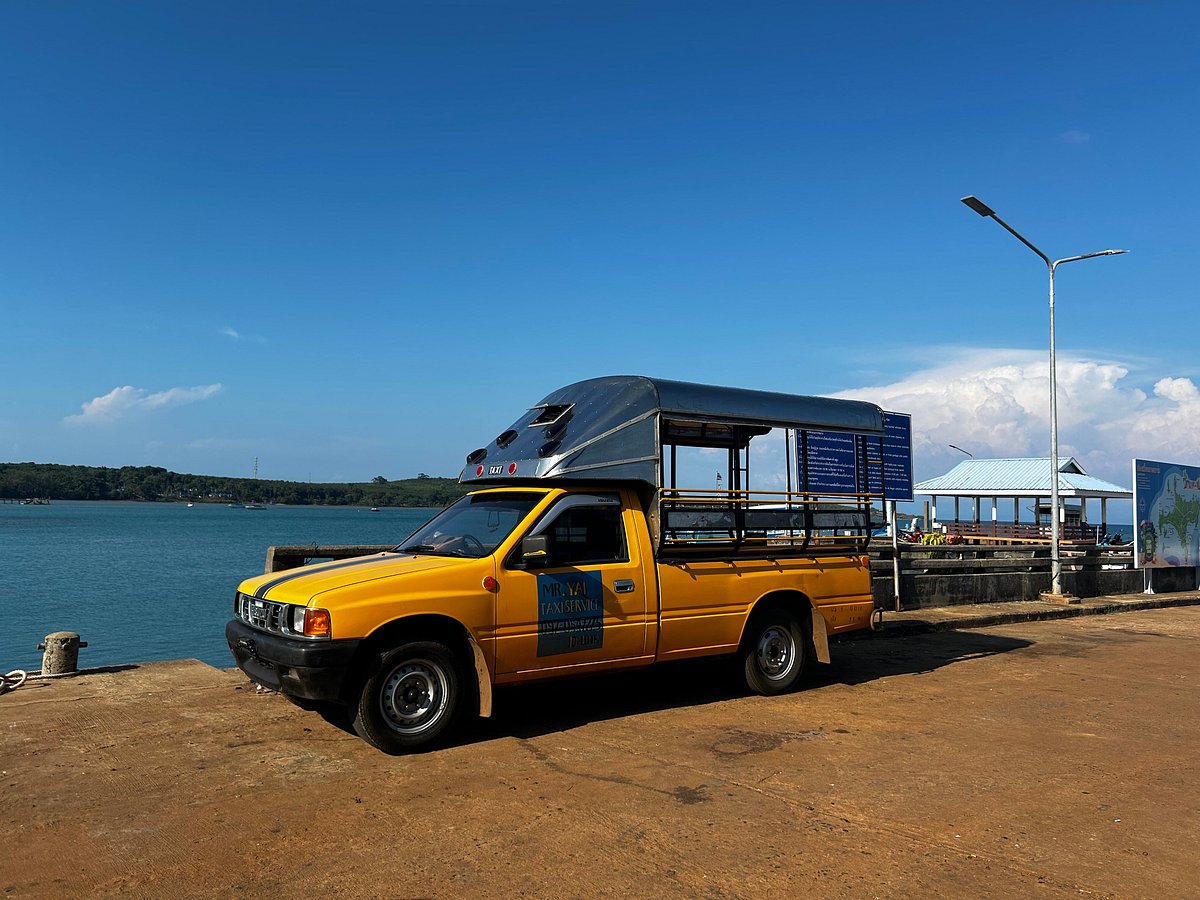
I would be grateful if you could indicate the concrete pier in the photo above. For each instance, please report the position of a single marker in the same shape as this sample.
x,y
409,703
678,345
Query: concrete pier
x,y
1051,759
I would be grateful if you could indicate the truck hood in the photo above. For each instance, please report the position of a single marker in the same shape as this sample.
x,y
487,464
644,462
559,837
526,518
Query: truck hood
x,y
303,584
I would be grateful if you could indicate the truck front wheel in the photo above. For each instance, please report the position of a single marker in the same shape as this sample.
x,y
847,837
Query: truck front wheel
x,y
774,652
412,699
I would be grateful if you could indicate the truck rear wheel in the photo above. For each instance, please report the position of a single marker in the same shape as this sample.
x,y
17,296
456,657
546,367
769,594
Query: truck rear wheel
x,y
774,653
412,700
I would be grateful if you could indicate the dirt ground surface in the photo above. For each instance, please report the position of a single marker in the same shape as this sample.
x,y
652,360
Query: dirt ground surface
x,y
1048,759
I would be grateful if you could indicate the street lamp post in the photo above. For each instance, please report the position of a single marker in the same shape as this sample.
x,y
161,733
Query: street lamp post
x,y
1055,558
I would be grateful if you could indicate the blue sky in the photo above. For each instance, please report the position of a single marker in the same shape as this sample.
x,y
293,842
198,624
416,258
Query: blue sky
x,y
358,239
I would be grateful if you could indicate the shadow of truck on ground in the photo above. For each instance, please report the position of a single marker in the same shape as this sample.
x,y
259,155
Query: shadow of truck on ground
x,y
536,709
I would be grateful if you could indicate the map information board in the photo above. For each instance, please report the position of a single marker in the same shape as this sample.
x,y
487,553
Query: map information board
x,y
1166,509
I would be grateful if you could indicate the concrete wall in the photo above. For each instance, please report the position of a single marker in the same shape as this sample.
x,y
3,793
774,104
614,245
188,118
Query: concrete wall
x,y
917,591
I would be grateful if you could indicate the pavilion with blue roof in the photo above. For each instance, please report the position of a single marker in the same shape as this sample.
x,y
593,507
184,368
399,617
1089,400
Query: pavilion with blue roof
x,y
1021,481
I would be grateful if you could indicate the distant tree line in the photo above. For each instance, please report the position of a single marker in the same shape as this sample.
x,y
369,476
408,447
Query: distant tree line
x,y
19,481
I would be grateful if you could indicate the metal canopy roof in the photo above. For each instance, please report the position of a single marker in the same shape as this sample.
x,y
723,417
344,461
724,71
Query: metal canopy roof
x,y
1019,478
607,428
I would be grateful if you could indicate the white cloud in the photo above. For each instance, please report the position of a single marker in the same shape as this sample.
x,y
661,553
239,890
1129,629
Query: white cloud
x,y
123,402
235,335
1074,136
995,403
1165,427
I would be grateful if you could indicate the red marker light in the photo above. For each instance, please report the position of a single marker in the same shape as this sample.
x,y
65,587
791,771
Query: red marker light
x,y
491,584
512,468
478,471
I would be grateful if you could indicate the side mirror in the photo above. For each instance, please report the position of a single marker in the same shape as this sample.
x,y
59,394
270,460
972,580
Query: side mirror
x,y
535,549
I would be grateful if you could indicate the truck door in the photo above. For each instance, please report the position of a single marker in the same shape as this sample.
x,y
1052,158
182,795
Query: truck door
x,y
584,600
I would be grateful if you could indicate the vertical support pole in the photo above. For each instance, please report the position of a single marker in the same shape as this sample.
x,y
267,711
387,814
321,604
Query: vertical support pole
x,y
895,553
1055,528
788,462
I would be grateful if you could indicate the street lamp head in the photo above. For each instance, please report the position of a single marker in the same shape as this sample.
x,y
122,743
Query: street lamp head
x,y
1092,255
979,206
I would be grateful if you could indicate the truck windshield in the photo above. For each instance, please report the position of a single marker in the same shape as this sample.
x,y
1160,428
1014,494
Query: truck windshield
x,y
473,527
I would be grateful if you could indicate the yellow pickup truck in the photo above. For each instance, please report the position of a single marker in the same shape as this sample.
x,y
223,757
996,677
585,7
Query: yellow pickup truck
x,y
578,551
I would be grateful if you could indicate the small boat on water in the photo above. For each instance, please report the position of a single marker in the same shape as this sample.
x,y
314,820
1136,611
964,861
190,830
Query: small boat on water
x,y
374,509
253,506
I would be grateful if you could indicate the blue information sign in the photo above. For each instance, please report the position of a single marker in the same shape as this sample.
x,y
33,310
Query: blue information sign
x,y
897,456
837,462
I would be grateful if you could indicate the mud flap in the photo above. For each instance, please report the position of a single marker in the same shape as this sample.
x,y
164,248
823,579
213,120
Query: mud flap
x,y
483,677
820,638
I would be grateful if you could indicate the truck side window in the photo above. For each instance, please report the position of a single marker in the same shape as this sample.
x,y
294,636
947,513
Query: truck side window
x,y
588,535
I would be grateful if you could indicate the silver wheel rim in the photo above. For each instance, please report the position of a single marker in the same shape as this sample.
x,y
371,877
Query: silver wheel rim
x,y
414,696
776,652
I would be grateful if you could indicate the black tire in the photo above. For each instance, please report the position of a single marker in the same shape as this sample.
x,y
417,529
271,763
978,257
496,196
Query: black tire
x,y
774,653
412,700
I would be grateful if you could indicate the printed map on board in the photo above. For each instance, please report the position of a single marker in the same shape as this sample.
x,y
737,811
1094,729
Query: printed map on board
x,y
1166,505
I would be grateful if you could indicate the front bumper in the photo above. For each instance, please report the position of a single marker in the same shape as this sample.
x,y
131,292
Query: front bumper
x,y
313,670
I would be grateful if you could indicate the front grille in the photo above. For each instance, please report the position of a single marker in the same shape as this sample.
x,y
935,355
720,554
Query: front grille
x,y
262,614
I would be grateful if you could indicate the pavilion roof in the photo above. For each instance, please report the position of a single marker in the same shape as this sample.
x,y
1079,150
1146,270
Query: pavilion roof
x,y
1019,478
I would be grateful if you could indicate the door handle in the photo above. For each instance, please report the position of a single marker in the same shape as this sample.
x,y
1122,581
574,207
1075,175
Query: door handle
x,y
623,586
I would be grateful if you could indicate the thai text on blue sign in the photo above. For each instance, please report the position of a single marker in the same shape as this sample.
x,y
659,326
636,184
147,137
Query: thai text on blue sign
x,y
838,462
897,456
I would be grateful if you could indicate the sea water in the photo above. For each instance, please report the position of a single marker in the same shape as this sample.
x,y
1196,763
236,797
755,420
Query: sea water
x,y
151,581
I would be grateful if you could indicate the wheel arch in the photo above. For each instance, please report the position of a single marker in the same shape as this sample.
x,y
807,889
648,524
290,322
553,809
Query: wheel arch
x,y
799,605
453,633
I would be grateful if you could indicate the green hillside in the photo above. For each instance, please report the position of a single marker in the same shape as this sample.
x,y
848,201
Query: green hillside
x,y
56,482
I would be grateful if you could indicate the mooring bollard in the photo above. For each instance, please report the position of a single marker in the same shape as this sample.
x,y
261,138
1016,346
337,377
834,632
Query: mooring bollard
x,y
62,653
